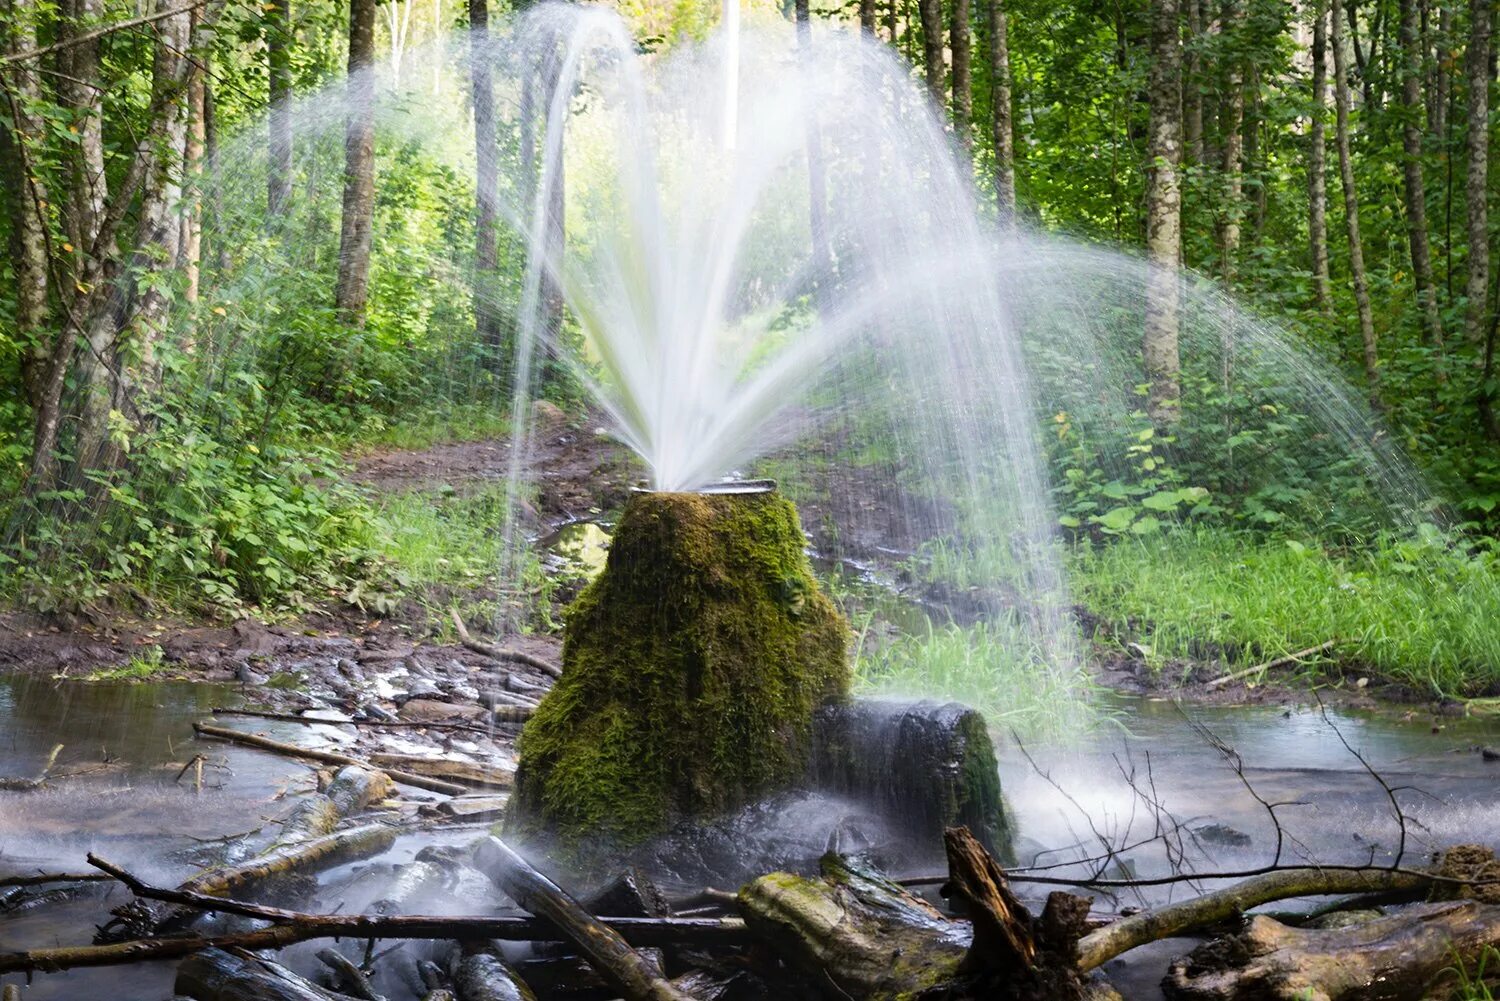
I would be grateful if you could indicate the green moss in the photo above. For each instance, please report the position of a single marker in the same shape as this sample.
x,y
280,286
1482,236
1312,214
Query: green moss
x,y
691,669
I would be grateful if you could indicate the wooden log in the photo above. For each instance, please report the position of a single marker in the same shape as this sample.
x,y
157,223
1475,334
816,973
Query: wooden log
x,y
43,878
1401,956
855,930
217,975
299,927
627,970
355,788
350,974
377,723
483,976
292,750
312,854
1098,947
501,653
1003,941
468,773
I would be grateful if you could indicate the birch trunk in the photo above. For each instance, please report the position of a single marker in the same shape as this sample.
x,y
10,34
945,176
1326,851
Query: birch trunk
x,y
1351,205
1476,190
352,292
1001,134
1416,197
1159,346
1317,164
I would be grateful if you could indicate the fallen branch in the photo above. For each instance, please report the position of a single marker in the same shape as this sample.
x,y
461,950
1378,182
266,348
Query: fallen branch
x,y
1100,946
1271,665
26,785
298,856
43,878
332,757
309,721
632,974
499,652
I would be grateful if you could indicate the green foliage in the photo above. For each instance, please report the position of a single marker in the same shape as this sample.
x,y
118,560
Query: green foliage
x,y
1423,611
146,664
1473,984
994,666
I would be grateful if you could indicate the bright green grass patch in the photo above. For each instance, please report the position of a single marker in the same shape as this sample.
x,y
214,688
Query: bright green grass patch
x,y
147,664
1424,611
997,667
1474,984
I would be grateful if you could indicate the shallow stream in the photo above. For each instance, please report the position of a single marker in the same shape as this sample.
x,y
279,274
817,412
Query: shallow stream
x,y
116,791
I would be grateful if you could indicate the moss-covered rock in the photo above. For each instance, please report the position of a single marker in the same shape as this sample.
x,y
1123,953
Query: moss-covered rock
x,y
692,667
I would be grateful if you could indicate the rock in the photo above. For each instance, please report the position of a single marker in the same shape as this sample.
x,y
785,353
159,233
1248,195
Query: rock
x,y
432,711
1345,919
474,807
422,687
1221,834
465,772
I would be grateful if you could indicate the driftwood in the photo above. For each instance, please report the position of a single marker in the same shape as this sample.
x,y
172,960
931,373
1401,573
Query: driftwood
x,y
1271,665
387,723
43,878
292,750
627,970
217,975
302,856
1391,957
502,653
27,785
466,773
349,972
1100,946
483,976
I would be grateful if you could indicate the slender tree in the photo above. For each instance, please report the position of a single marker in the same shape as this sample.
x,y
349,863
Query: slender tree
x,y
486,186
1001,133
190,241
278,32
1341,101
1477,69
1317,163
931,14
1416,192
352,291
1159,345
867,18
963,97
817,181
27,193
1231,126
1192,84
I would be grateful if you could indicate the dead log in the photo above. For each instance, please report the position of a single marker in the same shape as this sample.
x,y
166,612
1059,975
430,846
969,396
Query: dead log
x,y
468,773
1098,947
501,653
217,975
483,976
390,723
300,927
1397,957
627,970
312,854
43,878
292,750
349,973
856,930
355,789
27,785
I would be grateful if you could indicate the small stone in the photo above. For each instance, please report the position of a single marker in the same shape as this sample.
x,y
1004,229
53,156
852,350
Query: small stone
x,y
432,711
475,807
1222,834
1362,682
1489,754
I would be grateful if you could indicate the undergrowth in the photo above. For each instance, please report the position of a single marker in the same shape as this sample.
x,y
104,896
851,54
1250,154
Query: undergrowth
x,y
1422,611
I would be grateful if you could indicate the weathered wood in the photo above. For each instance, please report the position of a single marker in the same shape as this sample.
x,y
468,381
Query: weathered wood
x,y
1003,940
217,975
314,853
502,653
855,930
1396,957
627,970
1098,947
292,750
43,878
483,976
355,788
468,773
27,785
350,973
298,927
400,724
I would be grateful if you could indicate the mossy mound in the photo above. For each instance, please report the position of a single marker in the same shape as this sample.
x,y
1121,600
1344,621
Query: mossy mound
x,y
692,667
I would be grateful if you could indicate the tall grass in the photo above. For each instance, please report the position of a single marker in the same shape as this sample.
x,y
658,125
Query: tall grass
x,y
1423,611
994,666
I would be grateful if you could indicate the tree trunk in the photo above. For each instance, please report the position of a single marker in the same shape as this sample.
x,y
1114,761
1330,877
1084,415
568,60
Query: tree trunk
x,y
1476,191
867,18
1159,347
1416,196
1231,121
1401,956
1317,164
487,190
817,176
27,197
963,97
1192,85
190,249
1001,134
931,13
279,38
352,292
1351,204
